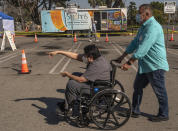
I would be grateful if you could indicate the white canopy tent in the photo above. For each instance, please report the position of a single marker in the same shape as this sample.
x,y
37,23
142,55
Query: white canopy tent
x,y
6,23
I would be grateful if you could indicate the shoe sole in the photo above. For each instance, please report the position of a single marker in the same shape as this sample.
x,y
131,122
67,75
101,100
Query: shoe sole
x,y
158,120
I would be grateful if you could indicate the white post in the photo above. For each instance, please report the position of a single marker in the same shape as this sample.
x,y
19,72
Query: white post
x,y
3,42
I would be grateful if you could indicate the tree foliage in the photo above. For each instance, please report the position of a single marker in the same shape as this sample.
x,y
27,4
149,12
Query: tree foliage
x,y
158,12
31,8
131,14
108,3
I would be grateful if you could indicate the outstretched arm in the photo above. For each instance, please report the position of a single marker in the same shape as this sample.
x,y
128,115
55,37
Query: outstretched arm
x,y
69,54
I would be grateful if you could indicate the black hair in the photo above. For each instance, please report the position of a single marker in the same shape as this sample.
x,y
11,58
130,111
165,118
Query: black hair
x,y
146,8
92,51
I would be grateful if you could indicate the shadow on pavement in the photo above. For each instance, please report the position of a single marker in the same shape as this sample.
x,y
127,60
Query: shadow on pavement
x,y
1,53
173,46
146,115
175,68
42,53
51,47
49,111
61,90
104,52
18,71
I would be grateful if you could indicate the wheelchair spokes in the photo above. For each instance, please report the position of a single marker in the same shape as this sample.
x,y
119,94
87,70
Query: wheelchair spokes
x,y
107,113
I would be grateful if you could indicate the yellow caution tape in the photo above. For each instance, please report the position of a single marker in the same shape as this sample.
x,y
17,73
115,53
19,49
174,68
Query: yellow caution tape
x,y
98,34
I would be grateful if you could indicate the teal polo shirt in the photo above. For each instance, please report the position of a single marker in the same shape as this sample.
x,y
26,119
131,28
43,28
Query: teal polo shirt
x,y
149,47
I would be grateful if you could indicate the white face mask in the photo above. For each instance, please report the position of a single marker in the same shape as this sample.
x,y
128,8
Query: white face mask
x,y
138,18
85,60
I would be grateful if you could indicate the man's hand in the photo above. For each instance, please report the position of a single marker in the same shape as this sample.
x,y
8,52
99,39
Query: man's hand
x,y
64,74
52,53
125,66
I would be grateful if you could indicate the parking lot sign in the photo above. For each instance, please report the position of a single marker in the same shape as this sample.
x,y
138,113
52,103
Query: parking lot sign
x,y
169,7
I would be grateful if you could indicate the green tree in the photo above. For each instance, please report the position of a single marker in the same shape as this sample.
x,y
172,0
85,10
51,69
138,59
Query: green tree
x,y
30,9
108,3
131,14
119,3
158,12
94,3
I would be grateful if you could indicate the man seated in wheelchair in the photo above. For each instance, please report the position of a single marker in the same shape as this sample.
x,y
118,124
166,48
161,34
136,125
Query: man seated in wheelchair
x,y
97,68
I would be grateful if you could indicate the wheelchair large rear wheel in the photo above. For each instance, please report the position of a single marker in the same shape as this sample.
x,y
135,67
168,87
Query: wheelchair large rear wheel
x,y
107,111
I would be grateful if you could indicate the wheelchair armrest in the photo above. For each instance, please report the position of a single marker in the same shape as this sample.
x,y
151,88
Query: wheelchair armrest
x,y
102,83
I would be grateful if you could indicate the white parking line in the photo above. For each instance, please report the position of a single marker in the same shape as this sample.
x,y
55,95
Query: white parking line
x,y
59,62
123,50
13,55
66,64
173,53
133,66
7,56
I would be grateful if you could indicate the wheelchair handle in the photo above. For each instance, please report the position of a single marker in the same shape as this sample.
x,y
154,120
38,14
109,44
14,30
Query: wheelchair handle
x,y
115,63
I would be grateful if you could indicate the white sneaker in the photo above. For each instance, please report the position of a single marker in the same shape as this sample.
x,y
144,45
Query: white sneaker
x,y
90,40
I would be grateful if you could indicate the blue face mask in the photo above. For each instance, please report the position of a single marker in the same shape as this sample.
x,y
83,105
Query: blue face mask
x,y
85,60
138,18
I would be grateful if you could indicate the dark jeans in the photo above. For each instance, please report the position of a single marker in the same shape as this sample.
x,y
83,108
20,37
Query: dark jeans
x,y
157,81
74,88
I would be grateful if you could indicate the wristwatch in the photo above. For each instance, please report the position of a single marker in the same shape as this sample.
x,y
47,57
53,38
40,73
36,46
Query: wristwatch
x,y
129,63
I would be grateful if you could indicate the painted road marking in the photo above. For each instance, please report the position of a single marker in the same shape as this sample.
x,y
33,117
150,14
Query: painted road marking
x,y
59,62
123,50
13,55
133,66
66,64
9,58
173,53
8,55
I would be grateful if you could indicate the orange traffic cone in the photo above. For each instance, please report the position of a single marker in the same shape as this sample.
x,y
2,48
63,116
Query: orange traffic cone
x,y
107,39
172,35
24,68
26,29
75,38
36,39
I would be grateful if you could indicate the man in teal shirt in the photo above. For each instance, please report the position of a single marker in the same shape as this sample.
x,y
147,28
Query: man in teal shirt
x,y
148,48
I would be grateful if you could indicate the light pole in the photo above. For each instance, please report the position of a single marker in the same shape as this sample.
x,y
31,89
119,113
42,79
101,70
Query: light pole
x,y
72,11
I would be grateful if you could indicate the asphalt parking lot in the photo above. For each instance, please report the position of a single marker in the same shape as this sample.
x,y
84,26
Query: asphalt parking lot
x,y
28,102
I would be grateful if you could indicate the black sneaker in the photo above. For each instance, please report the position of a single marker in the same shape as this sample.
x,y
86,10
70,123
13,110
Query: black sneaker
x,y
158,118
135,115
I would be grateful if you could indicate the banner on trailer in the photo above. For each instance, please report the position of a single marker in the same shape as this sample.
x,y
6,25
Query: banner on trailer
x,y
117,19
60,21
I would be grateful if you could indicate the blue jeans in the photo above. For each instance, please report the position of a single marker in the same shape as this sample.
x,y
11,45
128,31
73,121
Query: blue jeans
x,y
157,81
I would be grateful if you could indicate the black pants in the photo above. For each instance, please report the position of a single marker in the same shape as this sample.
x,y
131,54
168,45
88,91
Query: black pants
x,y
74,89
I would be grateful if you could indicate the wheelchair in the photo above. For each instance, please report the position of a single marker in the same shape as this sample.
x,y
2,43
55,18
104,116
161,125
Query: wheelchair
x,y
106,107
